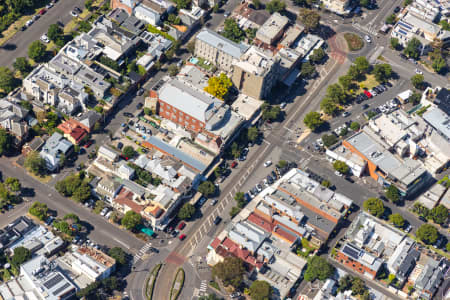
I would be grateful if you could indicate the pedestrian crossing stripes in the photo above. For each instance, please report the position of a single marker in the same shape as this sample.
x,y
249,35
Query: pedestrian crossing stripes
x,y
203,286
141,252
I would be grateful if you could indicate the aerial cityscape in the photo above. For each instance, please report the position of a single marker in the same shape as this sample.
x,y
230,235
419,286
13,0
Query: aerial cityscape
x,y
224,149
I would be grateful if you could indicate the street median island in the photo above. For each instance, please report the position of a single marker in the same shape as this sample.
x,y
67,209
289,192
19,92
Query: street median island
x,y
354,41
177,285
150,283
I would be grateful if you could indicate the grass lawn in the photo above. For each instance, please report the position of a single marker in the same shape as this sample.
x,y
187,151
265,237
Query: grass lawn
x,y
354,41
70,26
43,179
201,63
369,83
84,14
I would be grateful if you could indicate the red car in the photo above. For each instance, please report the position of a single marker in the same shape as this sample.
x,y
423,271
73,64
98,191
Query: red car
x,y
88,143
368,94
234,164
181,225
182,237
42,11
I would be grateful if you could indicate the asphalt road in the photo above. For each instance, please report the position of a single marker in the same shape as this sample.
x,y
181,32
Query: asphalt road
x,y
17,46
101,231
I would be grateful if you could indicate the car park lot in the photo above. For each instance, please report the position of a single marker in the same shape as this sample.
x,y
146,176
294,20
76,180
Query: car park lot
x,y
356,111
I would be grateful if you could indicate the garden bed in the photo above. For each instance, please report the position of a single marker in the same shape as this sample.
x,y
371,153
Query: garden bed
x,y
152,280
354,41
177,285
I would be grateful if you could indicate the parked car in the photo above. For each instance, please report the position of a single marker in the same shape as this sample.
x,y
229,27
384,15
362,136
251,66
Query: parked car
x,y
258,187
217,220
267,163
368,39
345,114
42,11
182,237
45,39
181,225
77,9
396,9
368,94
234,164
48,6
29,23
202,201
73,14
128,115
418,72
139,105
140,92
88,144
283,105
214,201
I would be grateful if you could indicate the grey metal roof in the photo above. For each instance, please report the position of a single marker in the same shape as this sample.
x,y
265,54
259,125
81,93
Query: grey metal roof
x,y
222,43
188,99
178,154
439,120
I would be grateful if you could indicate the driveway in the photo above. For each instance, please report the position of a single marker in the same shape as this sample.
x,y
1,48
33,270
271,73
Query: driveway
x,y
18,45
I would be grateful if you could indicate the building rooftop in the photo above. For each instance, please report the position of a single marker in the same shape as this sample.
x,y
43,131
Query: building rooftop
x,y
56,144
194,76
188,99
256,62
443,100
246,106
421,24
405,171
364,258
272,27
439,120
223,44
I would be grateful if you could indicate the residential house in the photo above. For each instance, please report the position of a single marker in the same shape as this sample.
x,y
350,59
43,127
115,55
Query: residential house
x,y
431,197
41,278
439,120
108,188
88,120
429,278
34,145
426,9
40,241
108,154
157,45
149,11
247,17
73,131
217,49
54,148
12,118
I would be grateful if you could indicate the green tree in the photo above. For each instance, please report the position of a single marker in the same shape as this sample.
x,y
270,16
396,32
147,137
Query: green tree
x,y
240,199
415,98
313,120
282,164
252,133
219,86
317,55
230,271
362,64
336,93
390,19
439,64
186,212
427,233
39,210
82,193
13,184
5,141
22,65
445,25
407,2
232,31
397,220
354,126
329,140
183,4
358,287
7,80
207,188
353,72
439,214
35,163
374,206
310,19
326,183
88,4
307,70
417,81
260,290
318,268
447,247
393,194
412,48
84,26
345,283
173,70
395,44
345,81
63,227
72,218
328,105
21,255
36,51
54,32
128,151
341,167
275,6
131,220
119,255
382,72
257,4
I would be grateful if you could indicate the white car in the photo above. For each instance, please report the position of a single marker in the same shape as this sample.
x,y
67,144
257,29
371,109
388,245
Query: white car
x,y
373,92
29,23
319,142
368,39
73,14
419,72
267,163
45,39
338,173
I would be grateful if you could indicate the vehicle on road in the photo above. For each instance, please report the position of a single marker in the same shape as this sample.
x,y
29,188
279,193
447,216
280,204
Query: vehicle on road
x,y
368,39
258,187
77,9
88,144
337,173
365,106
345,114
202,201
217,220
268,163
396,9
182,237
29,23
140,92
368,94
418,72
73,14
226,14
408,228
128,114
139,105
180,63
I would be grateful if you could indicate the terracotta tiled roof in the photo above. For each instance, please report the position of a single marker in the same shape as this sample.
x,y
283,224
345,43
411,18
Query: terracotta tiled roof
x,y
125,198
260,222
281,232
215,243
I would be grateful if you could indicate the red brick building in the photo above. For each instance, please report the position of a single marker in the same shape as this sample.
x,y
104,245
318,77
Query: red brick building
x,y
359,261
